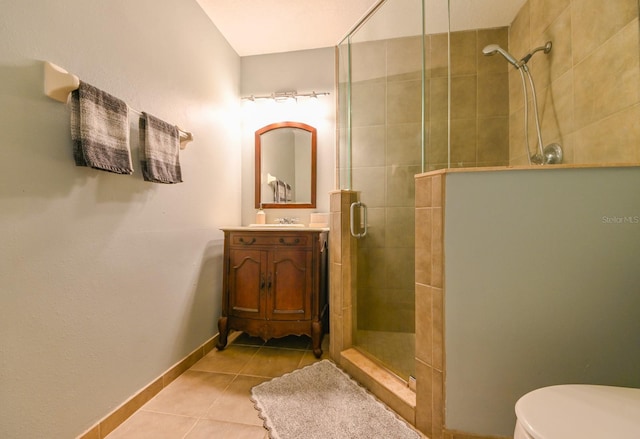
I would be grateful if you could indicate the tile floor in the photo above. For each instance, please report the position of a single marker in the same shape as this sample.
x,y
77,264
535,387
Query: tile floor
x,y
211,399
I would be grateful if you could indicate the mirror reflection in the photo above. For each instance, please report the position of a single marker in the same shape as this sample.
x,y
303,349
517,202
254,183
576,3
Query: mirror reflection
x,y
285,166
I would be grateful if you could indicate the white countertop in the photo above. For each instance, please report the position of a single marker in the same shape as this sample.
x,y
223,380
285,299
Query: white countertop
x,y
275,228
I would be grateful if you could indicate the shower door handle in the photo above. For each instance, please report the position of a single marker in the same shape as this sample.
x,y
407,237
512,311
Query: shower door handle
x,y
363,207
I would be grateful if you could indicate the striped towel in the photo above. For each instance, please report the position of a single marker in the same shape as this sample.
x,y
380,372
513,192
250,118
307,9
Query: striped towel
x,y
159,150
100,130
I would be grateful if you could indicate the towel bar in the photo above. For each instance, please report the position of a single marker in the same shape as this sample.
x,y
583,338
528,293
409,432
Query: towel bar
x,y
58,83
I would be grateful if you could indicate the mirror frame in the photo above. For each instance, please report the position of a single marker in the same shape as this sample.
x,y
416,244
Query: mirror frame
x,y
258,166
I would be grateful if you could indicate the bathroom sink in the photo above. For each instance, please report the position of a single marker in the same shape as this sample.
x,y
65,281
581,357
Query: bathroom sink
x,y
277,226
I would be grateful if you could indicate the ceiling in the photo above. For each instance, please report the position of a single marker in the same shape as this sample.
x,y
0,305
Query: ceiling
x,y
255,27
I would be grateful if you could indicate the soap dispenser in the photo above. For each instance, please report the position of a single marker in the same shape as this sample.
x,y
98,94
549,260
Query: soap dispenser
x,y
260,216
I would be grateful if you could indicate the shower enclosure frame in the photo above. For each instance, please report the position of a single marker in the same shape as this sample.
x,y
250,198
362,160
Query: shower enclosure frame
x,y
378,329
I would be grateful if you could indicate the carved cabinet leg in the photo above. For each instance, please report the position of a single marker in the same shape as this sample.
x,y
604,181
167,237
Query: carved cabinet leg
x,y
223,330
316,338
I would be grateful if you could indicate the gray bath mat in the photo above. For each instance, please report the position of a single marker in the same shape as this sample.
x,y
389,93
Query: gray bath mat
x,y
320,401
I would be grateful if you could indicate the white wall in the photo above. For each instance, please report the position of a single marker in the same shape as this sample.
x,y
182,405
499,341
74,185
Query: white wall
x,y
304,71
106,280
541,276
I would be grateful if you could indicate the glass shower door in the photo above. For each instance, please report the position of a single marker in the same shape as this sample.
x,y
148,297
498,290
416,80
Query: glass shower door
x,y
381,137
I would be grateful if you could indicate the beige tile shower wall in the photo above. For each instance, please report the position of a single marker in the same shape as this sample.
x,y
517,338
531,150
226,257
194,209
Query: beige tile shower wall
x,y
588,86
479,100
342,272
429,306
386,134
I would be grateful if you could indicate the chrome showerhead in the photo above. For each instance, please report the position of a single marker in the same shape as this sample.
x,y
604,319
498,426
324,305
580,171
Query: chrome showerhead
x,y
492,49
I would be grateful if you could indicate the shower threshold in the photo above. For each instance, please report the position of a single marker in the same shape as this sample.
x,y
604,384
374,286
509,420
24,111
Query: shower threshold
x,y
378,380
392,350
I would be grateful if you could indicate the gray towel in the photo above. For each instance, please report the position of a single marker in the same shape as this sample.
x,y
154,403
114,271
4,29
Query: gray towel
x,y
159,150
100,130
281,192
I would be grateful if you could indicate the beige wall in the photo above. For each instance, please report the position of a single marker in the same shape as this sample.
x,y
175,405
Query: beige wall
x,y
588,86
107,280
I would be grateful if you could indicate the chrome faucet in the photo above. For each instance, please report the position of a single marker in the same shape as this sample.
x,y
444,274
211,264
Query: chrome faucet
x,y
287,220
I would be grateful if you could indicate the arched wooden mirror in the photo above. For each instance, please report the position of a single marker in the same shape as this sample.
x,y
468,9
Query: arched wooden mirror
x,y
286,166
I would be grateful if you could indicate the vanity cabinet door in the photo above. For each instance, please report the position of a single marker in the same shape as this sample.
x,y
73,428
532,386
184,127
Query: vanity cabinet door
x,y
290,284
247,283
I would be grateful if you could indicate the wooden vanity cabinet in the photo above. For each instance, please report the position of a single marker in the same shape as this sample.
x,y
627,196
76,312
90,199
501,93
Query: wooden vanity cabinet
x,y
275,284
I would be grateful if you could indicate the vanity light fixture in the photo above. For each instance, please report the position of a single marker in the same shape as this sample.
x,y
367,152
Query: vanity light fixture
x,y
281,96
284,96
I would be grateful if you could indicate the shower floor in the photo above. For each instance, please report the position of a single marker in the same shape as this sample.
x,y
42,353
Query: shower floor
x,y
394,350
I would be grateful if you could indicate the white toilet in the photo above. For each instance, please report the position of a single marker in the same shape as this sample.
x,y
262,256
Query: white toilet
x,y
579,411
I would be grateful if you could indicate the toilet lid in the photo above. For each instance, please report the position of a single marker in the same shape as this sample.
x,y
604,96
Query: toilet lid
x,y
581,411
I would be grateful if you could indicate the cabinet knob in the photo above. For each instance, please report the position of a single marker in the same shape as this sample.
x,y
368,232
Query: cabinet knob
x,y
242,241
